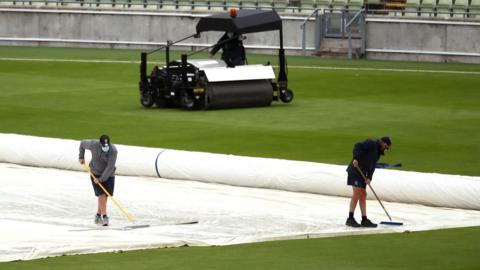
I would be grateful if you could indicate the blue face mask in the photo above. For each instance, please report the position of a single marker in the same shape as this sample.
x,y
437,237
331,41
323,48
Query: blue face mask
x,y
105,148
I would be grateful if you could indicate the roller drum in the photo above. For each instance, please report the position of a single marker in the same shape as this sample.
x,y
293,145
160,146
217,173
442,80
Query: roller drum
x,y
236,94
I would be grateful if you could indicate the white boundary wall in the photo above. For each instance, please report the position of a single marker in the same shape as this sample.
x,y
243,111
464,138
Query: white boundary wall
x,y
390,38
129,29
420,39
433,189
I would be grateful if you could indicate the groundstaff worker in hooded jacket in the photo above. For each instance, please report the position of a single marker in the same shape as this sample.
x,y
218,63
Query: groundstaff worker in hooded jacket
x,y
365,157
102,165
233,52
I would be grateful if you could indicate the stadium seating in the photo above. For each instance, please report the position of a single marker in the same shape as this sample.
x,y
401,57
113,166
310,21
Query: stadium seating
x,y
265,4
185,4
231,4
474,9
324,4
167,4
339,4
307,6
412,8
427,8
200,5
460,8
374,4
355,4
444,8
216,5
248,4
280,5
395,5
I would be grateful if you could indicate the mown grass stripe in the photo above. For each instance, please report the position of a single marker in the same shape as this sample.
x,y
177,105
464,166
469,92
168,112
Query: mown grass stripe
x,y
296,67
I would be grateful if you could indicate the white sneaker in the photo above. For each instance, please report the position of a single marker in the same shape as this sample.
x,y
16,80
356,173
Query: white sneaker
x,y
98,219
105,220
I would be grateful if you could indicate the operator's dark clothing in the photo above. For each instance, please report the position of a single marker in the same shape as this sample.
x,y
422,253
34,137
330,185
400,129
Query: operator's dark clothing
x,y
233,52
367,153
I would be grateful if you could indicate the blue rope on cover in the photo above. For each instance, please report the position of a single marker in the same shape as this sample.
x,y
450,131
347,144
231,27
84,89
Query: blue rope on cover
x,y
156,163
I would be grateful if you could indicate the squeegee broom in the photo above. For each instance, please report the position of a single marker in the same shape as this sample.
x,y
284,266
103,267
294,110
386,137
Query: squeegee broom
x,y
381,204
127,216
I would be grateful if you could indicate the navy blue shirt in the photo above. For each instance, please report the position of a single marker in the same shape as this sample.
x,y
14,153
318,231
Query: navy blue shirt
x,y
367,153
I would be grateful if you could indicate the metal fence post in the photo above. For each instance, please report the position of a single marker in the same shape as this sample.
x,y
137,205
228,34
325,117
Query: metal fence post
x,y
303,26
348,27
363,33
349,30
304,49
318,31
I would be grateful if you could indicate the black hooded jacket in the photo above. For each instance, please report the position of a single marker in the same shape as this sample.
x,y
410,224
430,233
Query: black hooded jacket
x,y
232,47
367,153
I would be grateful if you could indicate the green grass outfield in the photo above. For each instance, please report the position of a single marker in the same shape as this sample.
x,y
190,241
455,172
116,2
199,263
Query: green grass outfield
x,y
432,250
431,110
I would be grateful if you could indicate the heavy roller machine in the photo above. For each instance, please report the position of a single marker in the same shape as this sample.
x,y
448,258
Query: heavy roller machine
x,y
210,83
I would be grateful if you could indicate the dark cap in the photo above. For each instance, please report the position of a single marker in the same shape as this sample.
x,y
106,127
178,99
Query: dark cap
x,y
104,140
387,140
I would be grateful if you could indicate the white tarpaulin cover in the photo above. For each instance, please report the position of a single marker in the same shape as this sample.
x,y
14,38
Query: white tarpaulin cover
x,y
397,186
49,212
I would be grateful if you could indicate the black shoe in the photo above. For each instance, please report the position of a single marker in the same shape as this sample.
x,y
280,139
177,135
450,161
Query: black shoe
x,y
352,223
368,224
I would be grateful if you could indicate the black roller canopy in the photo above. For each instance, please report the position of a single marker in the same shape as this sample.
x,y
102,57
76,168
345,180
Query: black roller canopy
x,y
246,21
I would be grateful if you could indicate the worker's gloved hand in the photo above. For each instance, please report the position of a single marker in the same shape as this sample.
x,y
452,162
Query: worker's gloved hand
x,y
81,160
96,180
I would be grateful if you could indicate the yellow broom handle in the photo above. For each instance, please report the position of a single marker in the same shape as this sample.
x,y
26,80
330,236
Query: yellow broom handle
x,y
130,218
378,199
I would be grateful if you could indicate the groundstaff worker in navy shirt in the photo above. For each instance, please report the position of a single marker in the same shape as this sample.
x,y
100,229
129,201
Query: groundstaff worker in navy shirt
x,y
102,165
365,157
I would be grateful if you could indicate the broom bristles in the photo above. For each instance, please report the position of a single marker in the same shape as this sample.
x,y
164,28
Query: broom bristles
x,y
391,223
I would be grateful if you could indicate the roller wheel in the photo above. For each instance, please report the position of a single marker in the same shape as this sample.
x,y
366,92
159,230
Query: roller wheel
x,y
147,99
187,102
286,96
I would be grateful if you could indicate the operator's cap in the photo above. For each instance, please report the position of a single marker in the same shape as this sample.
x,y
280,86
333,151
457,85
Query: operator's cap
x,y
387,140
104,140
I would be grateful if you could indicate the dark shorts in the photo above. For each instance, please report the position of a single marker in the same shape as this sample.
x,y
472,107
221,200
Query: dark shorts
x,y
356,181
109,185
